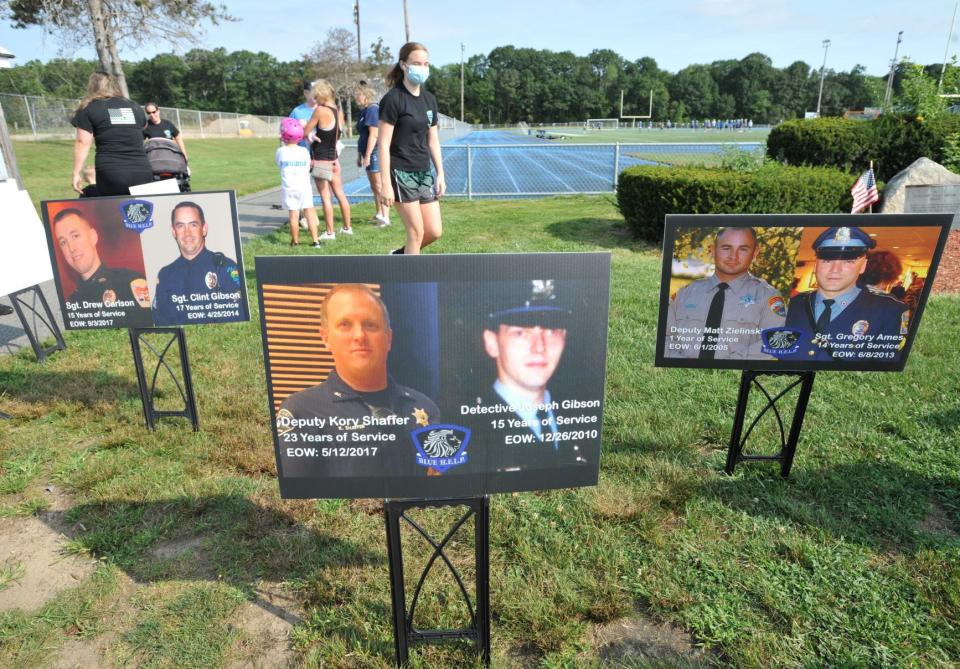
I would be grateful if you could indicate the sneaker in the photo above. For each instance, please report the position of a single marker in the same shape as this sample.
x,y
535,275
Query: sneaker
x,y
303,223
328,237
397,252
381,222
346,231
316,245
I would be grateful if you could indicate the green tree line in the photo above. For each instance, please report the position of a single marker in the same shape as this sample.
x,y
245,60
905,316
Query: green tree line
x,y
505,86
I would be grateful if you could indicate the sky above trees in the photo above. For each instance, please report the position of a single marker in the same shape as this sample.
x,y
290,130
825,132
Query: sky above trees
x,y
675,34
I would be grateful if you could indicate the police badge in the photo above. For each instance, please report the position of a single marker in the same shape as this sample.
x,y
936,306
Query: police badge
x,y
137,214
211,280
109,298
860,328
441,447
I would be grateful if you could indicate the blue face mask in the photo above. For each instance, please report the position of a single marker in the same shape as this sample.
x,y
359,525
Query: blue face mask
x,y
418,74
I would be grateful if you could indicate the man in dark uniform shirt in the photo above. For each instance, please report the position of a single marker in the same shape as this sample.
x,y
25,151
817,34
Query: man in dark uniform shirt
x,y
525,335
840,320
359,411
200,286
99,286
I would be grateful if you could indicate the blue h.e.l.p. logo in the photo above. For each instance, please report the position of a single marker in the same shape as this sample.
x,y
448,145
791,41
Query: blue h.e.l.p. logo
x,y
780,342
137,214
441,447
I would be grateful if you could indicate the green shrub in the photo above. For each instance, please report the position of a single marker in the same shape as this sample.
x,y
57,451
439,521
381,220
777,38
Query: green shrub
x,y
892,142
822,142
645,194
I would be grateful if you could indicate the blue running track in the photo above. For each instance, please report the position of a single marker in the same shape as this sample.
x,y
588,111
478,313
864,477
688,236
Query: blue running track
x,y
509,165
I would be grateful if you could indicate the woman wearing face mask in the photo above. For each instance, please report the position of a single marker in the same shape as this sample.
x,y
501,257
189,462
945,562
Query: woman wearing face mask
x,y
408,142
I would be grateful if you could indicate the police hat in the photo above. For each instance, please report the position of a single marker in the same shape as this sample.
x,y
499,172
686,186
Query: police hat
x,y
842,244
527,304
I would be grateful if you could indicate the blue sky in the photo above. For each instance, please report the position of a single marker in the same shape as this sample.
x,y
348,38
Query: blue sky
x,y
676,33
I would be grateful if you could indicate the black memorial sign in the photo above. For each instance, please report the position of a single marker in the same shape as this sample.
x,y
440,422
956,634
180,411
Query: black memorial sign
x,y
795,292
434,376
154,260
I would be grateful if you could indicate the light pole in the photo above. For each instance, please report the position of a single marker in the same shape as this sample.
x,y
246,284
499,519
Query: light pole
x,y
893,66
947,47
462,47
406,20
823,71
356,19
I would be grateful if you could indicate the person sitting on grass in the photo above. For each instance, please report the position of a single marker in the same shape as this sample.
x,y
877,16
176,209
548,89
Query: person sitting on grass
x,y
295,188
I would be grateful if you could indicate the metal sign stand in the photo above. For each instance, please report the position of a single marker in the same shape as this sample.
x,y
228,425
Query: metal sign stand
x,y
44,314
788,443
404,632
147,392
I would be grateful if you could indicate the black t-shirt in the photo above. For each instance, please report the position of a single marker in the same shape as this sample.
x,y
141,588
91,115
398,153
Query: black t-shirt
x,y
164,129
117,127
412,116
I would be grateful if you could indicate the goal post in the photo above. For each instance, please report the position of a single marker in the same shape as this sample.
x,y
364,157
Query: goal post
x,y
633,118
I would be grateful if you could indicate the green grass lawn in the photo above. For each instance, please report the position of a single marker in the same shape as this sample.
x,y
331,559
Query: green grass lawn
x,y
245,165
854,561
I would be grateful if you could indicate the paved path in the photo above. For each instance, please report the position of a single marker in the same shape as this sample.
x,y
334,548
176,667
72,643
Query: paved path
x,y
256,215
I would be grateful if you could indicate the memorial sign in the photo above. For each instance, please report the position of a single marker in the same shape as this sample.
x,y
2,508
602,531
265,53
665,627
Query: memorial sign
x,y
798,293
434,376
143,261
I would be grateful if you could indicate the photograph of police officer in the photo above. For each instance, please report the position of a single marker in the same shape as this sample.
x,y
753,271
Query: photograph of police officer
x,y
841,319
201,285
722,315
98,286
525,335
359,405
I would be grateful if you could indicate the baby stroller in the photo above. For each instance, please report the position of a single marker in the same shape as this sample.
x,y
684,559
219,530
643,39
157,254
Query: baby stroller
x,y
168,162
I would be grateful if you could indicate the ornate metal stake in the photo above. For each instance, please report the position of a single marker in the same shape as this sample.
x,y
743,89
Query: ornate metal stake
x,y
788,443
404,632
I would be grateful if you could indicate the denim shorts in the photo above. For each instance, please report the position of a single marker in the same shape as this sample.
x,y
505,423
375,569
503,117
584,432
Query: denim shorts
x,y
413,187
374,165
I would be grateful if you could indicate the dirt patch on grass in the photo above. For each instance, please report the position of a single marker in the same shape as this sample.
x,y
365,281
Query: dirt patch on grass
x,y
640,637
33,555
939,522
265,624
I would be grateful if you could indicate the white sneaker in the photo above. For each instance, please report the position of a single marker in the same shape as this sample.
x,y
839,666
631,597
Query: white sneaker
x,y
346,231
327,237
382,222
303,223
316,245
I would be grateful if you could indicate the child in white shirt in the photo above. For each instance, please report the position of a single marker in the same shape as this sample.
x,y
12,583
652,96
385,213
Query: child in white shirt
x,y
295,187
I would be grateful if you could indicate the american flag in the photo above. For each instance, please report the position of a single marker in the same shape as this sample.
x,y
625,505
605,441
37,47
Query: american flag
x,y
864,191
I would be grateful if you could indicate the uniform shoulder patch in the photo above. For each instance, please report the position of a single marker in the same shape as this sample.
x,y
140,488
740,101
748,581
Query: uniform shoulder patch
x,y
777,305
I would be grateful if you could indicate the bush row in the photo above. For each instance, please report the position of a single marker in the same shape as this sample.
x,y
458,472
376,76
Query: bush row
x,y
645,194
892,142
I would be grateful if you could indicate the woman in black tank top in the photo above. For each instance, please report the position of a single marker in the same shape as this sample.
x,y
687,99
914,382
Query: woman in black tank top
x,y
323,130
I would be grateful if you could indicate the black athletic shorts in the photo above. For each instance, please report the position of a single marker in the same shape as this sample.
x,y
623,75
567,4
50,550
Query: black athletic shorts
x,y
413,186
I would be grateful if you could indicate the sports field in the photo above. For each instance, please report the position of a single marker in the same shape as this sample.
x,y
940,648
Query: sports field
x,y
509,164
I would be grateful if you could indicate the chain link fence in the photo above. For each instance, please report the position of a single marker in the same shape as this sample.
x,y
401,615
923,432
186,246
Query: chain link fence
x,y
31,116
514,170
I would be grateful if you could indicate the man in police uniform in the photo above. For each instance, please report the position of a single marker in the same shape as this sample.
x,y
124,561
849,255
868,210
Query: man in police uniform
x,y
359,405
98,285
721,316
840,320
201,285
525,335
